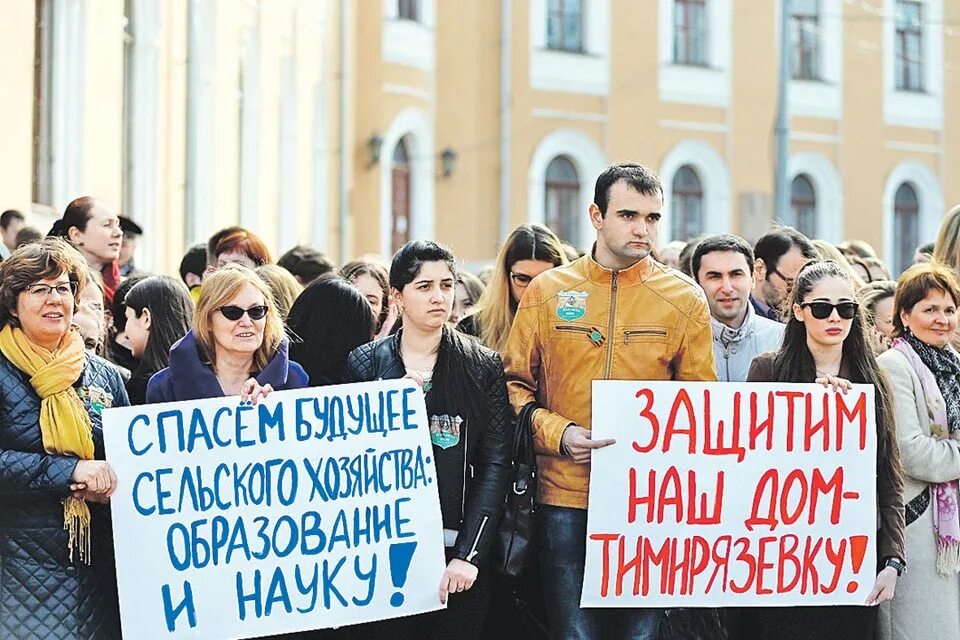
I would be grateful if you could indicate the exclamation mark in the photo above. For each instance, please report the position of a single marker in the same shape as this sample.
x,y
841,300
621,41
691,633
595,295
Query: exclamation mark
x,y
858,549
400,556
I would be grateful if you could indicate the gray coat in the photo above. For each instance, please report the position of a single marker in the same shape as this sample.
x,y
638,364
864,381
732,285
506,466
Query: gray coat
x,y
735,349
926,604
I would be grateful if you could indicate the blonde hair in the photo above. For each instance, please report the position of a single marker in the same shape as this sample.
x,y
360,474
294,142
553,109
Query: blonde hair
x,y
830,252
283,286
946,250
217,290
496,307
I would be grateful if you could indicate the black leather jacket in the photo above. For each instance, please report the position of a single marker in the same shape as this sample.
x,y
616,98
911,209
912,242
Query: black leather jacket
x,y
472,475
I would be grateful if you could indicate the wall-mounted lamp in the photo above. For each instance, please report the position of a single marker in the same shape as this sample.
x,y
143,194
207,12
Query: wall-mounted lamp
x,y
374,147
448,162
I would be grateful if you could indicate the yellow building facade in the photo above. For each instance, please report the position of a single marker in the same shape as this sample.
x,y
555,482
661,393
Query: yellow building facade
x,y
353,125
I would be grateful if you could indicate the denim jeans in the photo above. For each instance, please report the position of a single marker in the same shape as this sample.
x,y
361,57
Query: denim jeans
x,y
562,538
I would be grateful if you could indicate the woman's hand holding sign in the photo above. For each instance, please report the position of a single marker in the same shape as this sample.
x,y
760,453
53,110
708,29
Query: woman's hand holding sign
x,y
577,443
884,587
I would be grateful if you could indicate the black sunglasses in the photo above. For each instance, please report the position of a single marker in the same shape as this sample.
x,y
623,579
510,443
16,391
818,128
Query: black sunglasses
x,y
233,312
823,310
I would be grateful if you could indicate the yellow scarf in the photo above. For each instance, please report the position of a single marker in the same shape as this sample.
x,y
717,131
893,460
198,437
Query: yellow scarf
x,y
64,422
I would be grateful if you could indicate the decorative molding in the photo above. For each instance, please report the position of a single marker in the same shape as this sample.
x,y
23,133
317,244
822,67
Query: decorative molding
x,y
908,108
823,98
408,42
557,114
929,198
415,123
406,90
828,187
709,85
896,145
691,125
567,71
589,161
714,180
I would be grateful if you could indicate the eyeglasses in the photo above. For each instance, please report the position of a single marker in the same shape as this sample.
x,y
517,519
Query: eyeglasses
x,y
520,279
787,281
823,310
232,312
63,289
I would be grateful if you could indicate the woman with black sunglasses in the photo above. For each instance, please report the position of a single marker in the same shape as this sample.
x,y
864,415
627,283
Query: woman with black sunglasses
x,y
237,345
825,342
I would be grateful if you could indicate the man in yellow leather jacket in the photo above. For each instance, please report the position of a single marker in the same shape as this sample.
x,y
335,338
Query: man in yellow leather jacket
x,y
615,313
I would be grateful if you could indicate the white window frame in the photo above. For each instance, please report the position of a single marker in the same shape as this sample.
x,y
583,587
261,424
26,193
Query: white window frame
x,y
587,71
714,181
828,185
823,98
415,124
929,199
921,110
408,42
589,161
698,85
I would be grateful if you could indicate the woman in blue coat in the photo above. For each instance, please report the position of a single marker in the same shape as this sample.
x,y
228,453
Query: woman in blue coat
x,y
237,345
57,577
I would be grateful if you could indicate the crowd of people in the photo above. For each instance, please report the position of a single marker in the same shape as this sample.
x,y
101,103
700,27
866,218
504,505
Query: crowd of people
x,y
82,329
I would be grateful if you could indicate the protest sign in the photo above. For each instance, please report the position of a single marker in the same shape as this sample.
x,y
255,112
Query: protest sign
x,y
315,508
722,494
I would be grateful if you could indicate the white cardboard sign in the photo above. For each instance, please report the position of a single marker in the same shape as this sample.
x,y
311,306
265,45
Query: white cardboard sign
x,y
724,494
316,508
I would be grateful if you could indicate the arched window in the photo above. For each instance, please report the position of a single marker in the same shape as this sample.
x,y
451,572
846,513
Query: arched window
x,y
803,206
686,217
400,203
906,226
562,199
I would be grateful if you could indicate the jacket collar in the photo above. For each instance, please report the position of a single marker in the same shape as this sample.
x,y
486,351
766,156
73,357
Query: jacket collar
x,y
725,335
600,275
193,379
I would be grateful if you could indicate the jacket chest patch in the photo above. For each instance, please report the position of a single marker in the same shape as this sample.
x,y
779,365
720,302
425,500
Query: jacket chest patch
x,y
571,305
95,398
445,430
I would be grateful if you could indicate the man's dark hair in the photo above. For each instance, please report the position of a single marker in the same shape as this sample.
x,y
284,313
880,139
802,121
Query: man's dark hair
x,y
194,261
721,242
9,216
926,248
215,240
775,244
27,235
636,175
306,263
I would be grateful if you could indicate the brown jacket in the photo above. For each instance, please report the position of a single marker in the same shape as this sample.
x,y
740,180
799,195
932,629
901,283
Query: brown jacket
x,y
580,322
890,532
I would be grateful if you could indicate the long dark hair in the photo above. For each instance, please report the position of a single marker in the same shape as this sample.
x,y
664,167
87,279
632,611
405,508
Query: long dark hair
x,y
452,385
77,214
794,362
327,321
171,311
